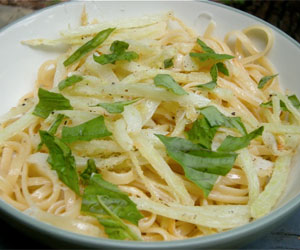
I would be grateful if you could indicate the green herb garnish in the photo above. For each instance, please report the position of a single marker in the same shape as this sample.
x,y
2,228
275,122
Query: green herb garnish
x,y
116,107
69,81
89,46
263,81
86,131
89,170
232,143
216,118
61,160
109,205
168,63
166,81
118,54
293,99
200,165
50,101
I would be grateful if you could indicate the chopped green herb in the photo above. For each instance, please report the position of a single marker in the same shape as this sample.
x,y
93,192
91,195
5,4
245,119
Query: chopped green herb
x,y
209,86
86,131
53,128
61,160
50,101
168,63
210,56
116,107
202,133
204,47
200,165
89,170
118,54
231,143
214,73
166,81
69,81
222,68
106,202
89,46
216,118
293,99
263,81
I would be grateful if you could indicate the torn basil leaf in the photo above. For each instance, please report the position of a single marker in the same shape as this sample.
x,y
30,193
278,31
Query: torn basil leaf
x,y
89,46
216,118
210,56
293,99
200,165
263,81
106,202
166,81
116,107
222,68
61,160
204,47
89,170
53,128
168,63
92,129
69,81
50,101
202,133
214,73
232,143
209,86
118,54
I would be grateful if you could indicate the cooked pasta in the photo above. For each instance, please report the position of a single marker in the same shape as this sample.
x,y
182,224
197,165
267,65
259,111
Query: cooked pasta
x,y
154,94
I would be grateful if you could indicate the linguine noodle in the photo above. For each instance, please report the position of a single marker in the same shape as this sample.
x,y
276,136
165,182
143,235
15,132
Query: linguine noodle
x,y
134,159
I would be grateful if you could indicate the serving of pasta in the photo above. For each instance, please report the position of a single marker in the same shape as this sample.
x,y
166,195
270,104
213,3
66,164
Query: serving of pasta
x,y
145,130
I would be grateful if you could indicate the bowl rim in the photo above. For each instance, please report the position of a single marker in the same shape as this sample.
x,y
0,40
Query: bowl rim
x,y
219,238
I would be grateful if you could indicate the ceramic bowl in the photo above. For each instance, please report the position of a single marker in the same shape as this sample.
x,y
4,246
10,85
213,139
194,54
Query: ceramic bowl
x,y
19,65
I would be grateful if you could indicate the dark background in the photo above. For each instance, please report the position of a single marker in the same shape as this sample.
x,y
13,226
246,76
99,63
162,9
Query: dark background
x,y
283,14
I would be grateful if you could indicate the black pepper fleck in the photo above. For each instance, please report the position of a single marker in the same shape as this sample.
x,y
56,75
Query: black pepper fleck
x,y
233,113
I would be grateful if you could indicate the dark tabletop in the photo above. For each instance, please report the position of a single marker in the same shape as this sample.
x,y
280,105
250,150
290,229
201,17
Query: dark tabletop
x,y
283,14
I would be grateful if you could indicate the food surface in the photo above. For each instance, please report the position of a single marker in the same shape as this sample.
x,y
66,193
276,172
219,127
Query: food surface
x,y
146,130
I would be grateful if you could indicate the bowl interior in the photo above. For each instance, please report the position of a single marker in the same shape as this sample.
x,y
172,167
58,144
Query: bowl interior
x,y
20,63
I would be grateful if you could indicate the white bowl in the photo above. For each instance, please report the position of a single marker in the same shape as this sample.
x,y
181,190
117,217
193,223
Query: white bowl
x,y
19,65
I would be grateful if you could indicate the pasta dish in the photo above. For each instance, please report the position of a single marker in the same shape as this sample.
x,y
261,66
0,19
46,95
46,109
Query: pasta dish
x,y
145,130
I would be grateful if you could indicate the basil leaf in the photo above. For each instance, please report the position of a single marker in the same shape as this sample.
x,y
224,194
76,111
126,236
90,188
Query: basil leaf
x,y
50,101
209,86
105,201
216,118
116,107
116,230
118,54
210,56
166,81
293,99
86,131
204,47
168,63
200,165
202,133
214,73
89,170
222,68
61,160
69,81
89,46
232,143
263,81
53,128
